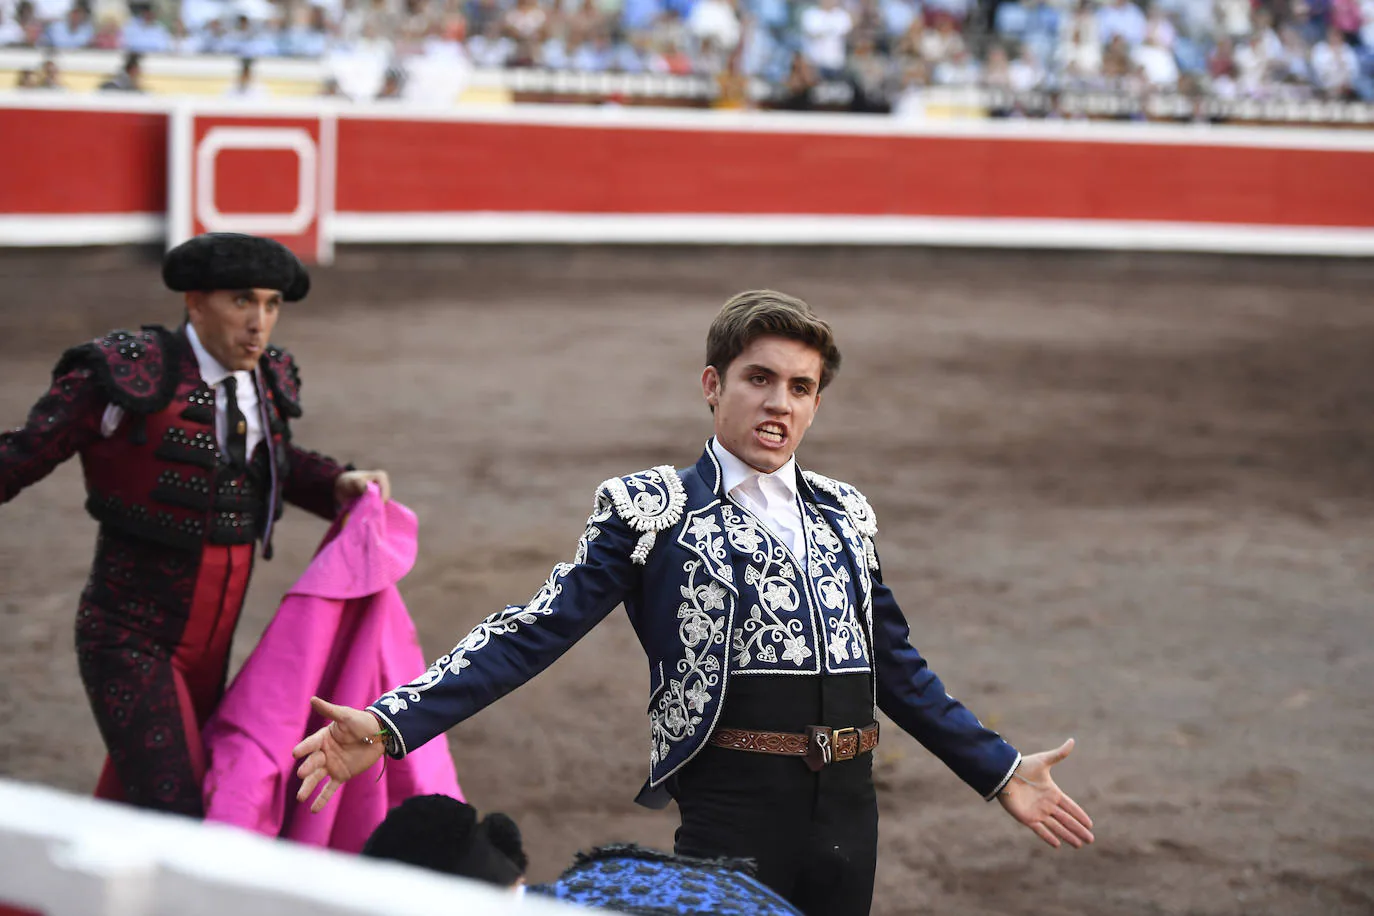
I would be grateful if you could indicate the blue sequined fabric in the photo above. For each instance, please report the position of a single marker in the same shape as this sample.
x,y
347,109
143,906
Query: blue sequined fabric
x,y
645,882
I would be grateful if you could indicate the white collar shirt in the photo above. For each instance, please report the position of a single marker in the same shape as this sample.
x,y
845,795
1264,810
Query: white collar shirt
x,y
246,394
771,498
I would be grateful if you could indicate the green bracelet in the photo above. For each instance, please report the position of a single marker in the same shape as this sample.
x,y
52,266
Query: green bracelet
x,y
384,734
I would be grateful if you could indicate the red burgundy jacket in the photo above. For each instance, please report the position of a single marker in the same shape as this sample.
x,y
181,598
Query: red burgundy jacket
x,y
160,476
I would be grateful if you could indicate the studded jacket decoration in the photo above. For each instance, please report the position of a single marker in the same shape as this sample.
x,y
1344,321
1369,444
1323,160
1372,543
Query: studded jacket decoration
x,y
160,475
131,367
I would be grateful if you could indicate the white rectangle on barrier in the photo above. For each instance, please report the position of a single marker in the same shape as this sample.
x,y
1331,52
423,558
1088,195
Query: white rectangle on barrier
x,y
40,230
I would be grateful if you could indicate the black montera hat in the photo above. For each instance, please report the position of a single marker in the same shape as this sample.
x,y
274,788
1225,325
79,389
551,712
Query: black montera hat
x,y
442,833
229,260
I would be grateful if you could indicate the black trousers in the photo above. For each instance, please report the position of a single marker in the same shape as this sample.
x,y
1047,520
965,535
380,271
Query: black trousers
x,y
813,835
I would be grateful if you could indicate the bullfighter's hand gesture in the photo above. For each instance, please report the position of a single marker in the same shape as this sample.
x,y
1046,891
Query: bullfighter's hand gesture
x,y
1032,798
347,746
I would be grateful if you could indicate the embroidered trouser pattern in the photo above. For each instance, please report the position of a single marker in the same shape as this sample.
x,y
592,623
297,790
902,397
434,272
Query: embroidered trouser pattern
x,y
153,632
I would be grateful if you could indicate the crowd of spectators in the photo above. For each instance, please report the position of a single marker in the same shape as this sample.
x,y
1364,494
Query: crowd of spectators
x,y
886,51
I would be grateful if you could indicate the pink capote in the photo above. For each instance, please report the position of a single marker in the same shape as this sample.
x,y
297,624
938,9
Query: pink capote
x,y
341,633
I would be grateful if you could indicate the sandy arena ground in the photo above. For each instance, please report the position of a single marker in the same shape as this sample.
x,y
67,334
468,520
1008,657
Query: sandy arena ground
x,y
1123,498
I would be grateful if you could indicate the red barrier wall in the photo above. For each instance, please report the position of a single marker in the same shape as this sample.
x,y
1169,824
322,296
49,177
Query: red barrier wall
x,y
60,162
423,167
585,174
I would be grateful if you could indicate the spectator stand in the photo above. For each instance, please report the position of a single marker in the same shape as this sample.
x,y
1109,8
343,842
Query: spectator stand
x,y
1247,61
83,71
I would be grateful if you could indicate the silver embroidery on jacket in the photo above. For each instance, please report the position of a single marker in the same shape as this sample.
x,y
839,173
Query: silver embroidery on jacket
x,y
677,713
773,622
506,621
831,579
649,502
856,506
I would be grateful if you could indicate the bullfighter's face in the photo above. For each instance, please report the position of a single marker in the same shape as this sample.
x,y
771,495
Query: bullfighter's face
x,y
765,400
234,325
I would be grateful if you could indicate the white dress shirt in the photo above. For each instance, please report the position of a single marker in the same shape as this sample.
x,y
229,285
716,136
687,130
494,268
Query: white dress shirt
x,y
772,498
214,375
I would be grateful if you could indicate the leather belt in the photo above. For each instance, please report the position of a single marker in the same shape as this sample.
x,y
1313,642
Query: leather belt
x,y
820,745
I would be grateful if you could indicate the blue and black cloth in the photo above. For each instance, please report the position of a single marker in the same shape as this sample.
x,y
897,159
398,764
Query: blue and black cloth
x,y
645,882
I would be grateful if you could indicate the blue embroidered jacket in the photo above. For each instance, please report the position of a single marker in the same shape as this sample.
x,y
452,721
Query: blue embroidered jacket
x,y
710,595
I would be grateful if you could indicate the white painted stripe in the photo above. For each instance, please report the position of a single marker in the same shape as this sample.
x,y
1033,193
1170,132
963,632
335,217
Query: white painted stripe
x,y
329,155
83,101
35,230
802,229
643,118
179,168
568,228
816,123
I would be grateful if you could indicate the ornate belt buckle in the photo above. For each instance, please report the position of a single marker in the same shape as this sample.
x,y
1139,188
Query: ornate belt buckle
x,y
844,743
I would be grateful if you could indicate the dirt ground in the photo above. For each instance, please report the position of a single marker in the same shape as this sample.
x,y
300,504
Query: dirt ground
x,y
1123,498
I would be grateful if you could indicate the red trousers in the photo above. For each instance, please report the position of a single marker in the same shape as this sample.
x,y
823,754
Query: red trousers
x,y
153,635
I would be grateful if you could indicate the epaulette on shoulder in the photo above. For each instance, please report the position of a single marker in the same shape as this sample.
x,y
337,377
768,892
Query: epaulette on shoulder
x,y
855,505
649,502
134,368
284,378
